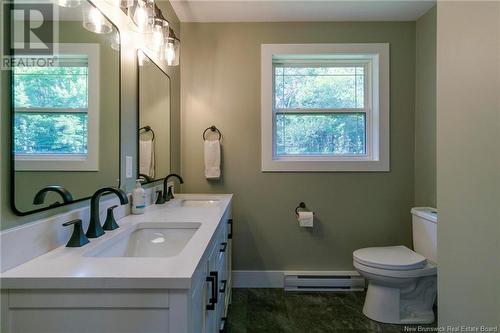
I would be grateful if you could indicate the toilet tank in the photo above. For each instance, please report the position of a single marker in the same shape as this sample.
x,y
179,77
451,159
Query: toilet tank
x,y
424,225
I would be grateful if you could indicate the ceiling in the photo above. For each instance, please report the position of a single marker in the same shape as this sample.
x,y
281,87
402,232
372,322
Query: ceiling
x,y
299,10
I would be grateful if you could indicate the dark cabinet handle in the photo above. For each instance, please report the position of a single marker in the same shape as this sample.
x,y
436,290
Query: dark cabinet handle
x,y
222,328
223,285
230,232
211,304
213,279
223,247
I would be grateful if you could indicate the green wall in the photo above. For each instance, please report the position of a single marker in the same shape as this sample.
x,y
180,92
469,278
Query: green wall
x,y
468,162
425,110
220,65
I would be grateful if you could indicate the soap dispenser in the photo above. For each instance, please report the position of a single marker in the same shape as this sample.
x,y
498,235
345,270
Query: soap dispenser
x,y
138,199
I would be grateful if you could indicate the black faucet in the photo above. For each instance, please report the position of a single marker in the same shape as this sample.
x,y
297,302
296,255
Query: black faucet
x,y
64,193
95,229
167,193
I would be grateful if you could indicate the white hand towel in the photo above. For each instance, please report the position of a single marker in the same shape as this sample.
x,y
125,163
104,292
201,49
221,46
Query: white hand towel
x,y
212,159
147,158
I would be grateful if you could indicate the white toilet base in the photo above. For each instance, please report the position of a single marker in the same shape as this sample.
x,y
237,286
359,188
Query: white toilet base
x,y
406,303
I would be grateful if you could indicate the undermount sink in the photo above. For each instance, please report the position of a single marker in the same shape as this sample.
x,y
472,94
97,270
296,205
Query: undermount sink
x,y
155,239
199,202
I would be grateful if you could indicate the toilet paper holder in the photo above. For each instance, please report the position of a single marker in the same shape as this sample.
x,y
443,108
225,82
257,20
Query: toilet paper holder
x,y
301,206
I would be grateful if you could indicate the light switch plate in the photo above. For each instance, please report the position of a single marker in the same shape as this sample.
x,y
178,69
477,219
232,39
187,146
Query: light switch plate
x,y
128,166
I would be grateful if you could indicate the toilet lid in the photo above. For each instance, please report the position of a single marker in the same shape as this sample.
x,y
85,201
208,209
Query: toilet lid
x,y
390,257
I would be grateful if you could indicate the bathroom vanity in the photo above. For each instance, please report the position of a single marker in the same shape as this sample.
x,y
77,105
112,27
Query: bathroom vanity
x,y
168,270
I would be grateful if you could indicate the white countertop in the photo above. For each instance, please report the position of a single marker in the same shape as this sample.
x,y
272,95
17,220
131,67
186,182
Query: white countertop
x,y
68,267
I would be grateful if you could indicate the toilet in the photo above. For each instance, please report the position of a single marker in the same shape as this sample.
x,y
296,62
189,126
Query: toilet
x,y
402,282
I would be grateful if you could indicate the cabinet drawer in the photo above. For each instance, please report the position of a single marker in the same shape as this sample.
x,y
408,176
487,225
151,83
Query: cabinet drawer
x,y
88,298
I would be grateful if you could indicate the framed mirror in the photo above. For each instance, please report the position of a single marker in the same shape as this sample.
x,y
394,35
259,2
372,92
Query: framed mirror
x,y
65,113
154,121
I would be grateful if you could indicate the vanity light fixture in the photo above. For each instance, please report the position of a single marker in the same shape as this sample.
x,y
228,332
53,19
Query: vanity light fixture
x,y
143,15
94,21
172,50
68,3
161,32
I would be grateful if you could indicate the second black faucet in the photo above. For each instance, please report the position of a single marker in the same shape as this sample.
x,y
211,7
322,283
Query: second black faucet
x,y
95,229
167,191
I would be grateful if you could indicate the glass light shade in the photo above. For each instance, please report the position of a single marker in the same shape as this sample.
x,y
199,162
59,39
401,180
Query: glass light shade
x,y
143,16
94,21
160,33
172,51
68,3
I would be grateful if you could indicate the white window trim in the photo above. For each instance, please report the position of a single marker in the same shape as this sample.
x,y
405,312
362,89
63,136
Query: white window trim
x,y
378,126
74,162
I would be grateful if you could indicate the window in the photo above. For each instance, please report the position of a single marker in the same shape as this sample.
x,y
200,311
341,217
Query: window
x,y
55,112
325,107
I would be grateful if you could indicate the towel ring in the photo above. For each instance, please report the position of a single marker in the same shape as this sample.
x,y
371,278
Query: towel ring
x,y
213,129
148,129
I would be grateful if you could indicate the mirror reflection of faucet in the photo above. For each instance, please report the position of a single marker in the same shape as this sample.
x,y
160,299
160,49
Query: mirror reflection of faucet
x,y
64,193
168,193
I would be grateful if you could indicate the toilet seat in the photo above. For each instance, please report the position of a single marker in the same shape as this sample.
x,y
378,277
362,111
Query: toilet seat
x,y
398,258
429,269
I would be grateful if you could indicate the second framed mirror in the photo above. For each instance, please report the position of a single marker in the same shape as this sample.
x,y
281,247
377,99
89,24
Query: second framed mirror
x,y
154,120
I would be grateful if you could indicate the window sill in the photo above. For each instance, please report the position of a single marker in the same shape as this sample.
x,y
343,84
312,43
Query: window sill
x,y
56,162
325,166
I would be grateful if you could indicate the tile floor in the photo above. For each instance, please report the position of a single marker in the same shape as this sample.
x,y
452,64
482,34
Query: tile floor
x,y
277,311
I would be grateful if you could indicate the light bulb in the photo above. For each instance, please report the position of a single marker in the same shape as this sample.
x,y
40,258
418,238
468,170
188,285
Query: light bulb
x,y
158,37
170,53
141,18
94,20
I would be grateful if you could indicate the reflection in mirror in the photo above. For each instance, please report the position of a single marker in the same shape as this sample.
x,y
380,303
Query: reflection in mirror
x,y
154,120
66,112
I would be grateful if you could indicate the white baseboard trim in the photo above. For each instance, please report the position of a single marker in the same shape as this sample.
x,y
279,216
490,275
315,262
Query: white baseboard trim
x,y
274,279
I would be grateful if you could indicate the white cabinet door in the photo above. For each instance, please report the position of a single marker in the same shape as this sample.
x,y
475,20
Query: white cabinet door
x,y
212,298
198,297
209,298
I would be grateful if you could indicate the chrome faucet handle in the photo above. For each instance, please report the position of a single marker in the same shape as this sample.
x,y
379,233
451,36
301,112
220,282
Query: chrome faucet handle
x,y
78,238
